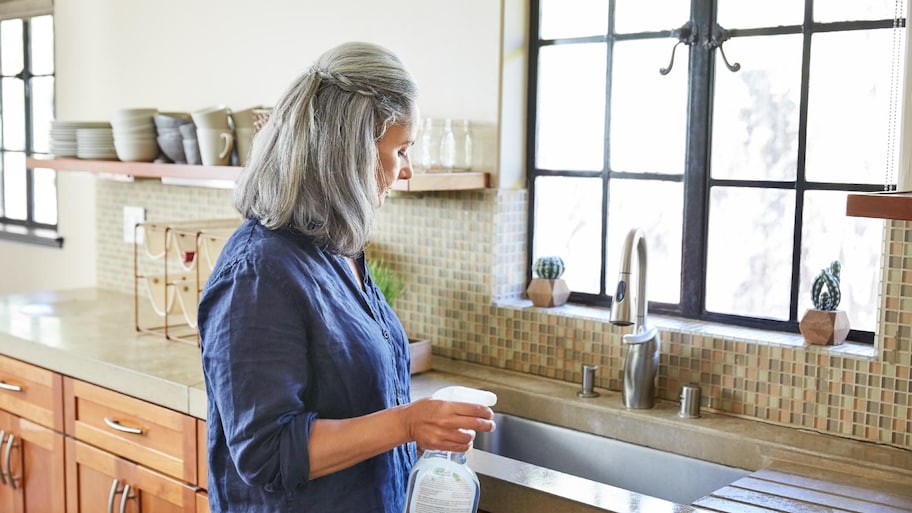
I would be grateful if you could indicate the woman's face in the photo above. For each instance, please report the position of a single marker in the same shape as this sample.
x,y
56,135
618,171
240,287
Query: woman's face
x,y
393,148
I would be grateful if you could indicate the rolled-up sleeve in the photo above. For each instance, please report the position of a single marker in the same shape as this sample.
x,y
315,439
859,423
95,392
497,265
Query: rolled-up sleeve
x,y
254,354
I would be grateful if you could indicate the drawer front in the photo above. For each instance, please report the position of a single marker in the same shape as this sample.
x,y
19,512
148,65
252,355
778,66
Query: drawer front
x,y
32,393
202,458
136,430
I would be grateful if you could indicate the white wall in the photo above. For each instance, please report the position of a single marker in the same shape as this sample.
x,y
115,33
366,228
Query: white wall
x,y
190,54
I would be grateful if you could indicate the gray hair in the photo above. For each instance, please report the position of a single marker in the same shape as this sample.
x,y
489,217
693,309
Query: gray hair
x,y
313,166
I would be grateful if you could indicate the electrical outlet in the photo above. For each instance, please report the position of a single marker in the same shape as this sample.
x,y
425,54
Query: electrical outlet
x,y
132,216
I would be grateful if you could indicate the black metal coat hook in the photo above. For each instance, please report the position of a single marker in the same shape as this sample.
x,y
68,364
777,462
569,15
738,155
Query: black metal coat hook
x,y
720,35
684,34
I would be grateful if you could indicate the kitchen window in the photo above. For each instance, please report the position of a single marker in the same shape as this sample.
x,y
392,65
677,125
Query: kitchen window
x,y
28,197
735,159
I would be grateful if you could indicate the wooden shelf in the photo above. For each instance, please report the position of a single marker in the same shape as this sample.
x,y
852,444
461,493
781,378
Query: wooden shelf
x,y
137,169
881,205
191,174
461,181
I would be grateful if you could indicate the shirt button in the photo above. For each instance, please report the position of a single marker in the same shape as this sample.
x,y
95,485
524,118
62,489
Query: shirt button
x,y
386,335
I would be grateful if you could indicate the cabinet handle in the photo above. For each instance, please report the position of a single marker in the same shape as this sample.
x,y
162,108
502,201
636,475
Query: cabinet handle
x,y
115,424
2,441
114,493
125,497
7,386
11,444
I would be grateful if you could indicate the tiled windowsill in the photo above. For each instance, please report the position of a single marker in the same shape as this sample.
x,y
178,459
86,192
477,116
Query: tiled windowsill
x,y
694,327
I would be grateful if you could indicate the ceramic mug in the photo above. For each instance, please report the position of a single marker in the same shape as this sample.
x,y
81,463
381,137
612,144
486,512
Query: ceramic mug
x,y
211,117
215,146
243,141
243,119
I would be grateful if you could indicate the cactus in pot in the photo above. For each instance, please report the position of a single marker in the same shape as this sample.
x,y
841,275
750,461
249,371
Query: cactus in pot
x,y
548,288
825,292
824,324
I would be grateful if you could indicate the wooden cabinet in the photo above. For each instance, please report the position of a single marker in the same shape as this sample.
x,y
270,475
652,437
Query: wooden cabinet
x,y
31,392
98,481
31,467
127,455
31,441
155,437
202,502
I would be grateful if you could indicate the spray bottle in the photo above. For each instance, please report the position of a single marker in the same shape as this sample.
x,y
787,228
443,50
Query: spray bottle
x,y
441,482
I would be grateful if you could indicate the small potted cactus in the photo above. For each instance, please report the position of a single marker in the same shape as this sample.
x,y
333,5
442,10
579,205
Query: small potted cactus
x,y
824,324
547,288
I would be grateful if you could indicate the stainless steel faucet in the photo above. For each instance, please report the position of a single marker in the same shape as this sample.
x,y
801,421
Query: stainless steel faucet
x,y
642,362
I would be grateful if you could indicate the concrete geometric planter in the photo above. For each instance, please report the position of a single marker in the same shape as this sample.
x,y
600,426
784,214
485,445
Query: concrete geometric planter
x,y
546,293
824,327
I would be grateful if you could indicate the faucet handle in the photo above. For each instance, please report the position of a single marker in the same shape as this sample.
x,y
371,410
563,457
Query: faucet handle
x,y
588,382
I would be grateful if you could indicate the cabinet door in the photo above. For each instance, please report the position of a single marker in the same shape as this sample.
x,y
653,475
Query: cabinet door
x,y
31,467
98,481
202,502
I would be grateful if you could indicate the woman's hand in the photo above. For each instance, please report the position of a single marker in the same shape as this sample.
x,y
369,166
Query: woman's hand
x,y
446,425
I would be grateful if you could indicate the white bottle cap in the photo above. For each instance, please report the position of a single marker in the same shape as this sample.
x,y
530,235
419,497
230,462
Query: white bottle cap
x,y
466,395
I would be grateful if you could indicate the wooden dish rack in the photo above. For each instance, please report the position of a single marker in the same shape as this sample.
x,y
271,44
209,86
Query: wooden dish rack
x,y
170,268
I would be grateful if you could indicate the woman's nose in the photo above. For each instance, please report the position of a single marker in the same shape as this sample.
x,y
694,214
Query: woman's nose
x,y
406,172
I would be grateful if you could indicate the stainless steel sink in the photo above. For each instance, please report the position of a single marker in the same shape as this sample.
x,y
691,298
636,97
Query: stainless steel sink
x,y
633,467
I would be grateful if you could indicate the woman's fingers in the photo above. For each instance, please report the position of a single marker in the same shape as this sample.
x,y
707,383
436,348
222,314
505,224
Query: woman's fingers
x,y
446,425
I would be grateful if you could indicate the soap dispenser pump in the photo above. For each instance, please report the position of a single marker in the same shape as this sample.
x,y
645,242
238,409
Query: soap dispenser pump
x,y
441,482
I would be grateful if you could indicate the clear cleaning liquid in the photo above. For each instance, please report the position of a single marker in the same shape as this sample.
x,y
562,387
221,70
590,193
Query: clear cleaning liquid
x,y
441,482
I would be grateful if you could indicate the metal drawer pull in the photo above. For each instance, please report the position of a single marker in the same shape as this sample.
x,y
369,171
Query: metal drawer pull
x,y
2,441
13,388
115,424
125,497
114,492
7,458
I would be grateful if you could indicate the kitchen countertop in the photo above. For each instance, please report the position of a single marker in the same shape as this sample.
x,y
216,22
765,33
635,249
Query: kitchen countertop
x,y
89,334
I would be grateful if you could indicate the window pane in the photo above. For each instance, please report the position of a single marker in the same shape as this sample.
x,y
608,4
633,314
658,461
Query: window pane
x,y
14,188
566,227
45,196
637,16
11,54
769,13
850,10
648,110
657,208
42,35
13,114
571,107
827,235
573,18
42,113
848,113
749,254
756,111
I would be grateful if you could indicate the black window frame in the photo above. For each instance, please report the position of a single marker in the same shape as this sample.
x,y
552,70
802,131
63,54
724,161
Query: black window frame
x,y
696,177
28,230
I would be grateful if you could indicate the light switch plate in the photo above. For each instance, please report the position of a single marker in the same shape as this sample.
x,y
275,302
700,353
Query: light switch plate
x,y
132,216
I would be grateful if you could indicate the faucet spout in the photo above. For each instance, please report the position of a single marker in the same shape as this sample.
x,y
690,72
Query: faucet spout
x,y
642,362
620,306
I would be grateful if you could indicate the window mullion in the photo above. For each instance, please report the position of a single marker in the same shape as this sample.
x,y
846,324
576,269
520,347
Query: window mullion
x,y
696,174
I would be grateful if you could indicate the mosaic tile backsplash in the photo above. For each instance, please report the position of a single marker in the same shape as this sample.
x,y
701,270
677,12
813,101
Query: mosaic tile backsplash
x,y
463,255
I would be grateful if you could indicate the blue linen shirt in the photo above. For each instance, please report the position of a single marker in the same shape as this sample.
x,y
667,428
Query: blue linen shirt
x,y
289,336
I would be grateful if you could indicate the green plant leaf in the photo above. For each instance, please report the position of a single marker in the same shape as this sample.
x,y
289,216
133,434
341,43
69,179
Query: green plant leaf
x,y
387,280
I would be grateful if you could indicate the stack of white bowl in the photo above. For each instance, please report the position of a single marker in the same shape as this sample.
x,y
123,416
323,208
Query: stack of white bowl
x,y
134,134
63,136
95,143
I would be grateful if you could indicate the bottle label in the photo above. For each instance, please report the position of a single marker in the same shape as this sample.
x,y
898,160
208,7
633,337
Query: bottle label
x,y
443,488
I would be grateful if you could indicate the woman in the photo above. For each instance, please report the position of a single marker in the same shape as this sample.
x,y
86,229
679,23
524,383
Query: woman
x,y
306,365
